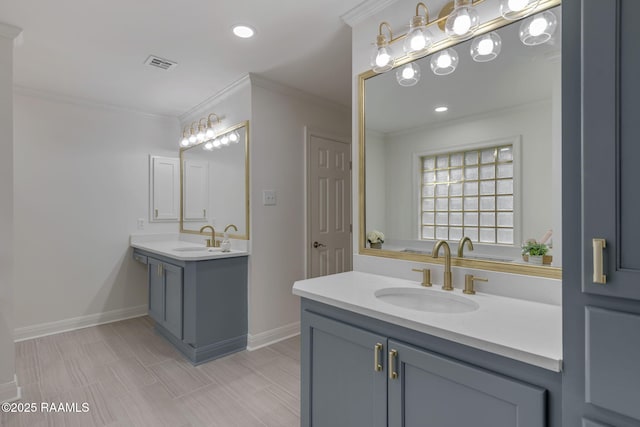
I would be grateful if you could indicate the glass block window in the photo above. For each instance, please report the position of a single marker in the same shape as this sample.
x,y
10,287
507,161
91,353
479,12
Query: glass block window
x,y
468,193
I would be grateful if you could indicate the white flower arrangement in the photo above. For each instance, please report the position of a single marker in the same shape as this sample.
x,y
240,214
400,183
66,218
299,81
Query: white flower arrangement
x,y
375,236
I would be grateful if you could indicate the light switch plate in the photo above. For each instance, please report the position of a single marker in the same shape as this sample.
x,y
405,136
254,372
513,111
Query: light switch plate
x,y
269,197
140,223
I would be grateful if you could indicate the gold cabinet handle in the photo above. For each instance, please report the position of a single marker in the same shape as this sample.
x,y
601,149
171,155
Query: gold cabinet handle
x,y
377,351
204,213
598,264
392,370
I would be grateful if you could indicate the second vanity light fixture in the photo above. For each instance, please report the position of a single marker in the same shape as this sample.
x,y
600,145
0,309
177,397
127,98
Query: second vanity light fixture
x,y
203,132
459,20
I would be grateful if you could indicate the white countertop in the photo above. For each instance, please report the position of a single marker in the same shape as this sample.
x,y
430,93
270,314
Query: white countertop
x,y
168,249
523,330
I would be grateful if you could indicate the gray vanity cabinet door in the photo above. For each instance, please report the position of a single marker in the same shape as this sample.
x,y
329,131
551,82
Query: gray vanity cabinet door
x,y
173,299
165,295
431,390
340,387
156,290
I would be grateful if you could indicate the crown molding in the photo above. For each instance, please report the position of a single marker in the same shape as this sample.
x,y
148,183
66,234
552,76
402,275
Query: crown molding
x,y
214,99
365,10
73,100
11,32
302,95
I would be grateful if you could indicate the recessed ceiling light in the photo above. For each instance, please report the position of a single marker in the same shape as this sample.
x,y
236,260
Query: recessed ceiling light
x,y
243,31
441,109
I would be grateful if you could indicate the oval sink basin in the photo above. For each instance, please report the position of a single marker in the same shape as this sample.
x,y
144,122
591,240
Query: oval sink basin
x,y
426,300
197,249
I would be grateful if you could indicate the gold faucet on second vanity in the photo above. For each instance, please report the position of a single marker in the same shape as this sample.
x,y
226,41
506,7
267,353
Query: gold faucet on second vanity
x,y
461,243
447,262
211,243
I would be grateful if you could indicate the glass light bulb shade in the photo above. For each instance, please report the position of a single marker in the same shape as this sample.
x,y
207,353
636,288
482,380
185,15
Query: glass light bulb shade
x,y
210,133
486,47
418,40
216,143
208,145
200,136
462,22
444,62
538,29
224,140
408,75
192,139
515,9
234,137
184,142
382,59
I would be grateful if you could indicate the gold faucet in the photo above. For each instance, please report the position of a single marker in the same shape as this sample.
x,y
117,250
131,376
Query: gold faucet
x,y
461,243
230,226
211,243
447,262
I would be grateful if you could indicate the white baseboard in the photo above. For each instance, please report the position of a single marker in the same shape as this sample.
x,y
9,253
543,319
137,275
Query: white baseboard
x,y
263,339
50,328
10,391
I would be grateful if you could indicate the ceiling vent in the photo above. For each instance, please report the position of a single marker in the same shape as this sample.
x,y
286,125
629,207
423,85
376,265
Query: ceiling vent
x,y
157,62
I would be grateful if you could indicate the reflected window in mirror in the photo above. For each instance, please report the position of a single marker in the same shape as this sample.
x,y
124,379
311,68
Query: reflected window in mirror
x,y
468,193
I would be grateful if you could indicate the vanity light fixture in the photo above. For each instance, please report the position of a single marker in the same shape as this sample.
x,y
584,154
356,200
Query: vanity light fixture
x,y
418,39
201,131
234,137
486,47
243,31
444,62
408,75
382,57
208,145
463,20
216,143
192,136
185,139
441,109
516,9
538,29
224,140
211,133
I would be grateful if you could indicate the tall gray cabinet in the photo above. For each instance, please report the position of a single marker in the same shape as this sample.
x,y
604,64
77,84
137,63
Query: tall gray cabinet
x,y
601,210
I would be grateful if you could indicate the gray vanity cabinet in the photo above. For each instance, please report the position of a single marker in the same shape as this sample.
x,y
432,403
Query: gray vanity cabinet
x,y
165,295
601,154
199,306
354,377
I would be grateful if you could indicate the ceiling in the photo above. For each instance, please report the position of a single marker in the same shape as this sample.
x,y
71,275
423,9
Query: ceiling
x,y
95,49
519,75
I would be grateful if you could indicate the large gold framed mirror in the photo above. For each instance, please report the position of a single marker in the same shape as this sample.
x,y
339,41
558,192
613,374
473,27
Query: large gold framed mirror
x,y
214,183
474,153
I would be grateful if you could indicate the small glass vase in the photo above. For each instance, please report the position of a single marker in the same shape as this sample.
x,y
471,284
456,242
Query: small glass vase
x,y
376,245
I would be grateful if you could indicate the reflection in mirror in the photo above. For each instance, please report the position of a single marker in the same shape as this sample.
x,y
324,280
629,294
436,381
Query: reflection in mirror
x,y
214,180
474,153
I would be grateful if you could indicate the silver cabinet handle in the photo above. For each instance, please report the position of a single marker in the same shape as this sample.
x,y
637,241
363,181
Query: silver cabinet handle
x,y
598,264
393,354
377,351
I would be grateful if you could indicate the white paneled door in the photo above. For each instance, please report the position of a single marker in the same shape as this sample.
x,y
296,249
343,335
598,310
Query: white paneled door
x,y
329,206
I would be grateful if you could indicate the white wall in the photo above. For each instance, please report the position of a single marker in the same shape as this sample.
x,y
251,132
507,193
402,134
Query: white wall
x,y
8,388
278,239
530,122
81,182
376,179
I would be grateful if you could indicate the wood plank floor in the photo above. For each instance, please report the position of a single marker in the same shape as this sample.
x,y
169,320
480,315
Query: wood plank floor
x,y
130,376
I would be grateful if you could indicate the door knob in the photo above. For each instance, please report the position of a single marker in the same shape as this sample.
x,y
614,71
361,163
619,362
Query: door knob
x,y
318,245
